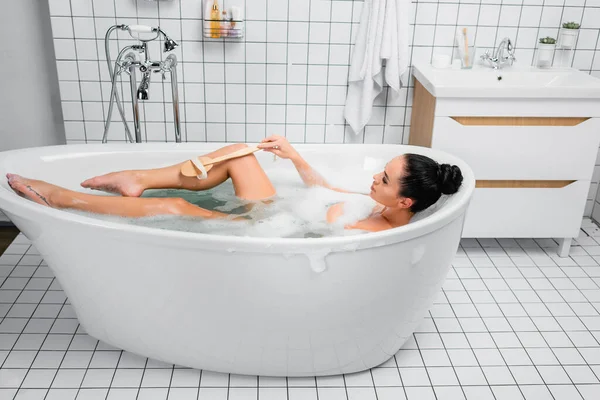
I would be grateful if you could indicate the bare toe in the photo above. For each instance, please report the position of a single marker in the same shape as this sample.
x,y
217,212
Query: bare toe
x,y
31,189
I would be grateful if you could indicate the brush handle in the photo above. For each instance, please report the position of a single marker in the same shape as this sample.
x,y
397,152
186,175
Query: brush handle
x,y
239,153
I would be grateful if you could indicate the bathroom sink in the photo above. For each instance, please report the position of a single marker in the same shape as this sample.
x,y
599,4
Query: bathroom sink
x,y
515,81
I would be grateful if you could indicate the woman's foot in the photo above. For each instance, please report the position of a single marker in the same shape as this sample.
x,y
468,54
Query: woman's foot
x,y
39,191
125,183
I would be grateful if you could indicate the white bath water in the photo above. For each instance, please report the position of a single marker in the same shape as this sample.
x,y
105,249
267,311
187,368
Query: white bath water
x,y
296,210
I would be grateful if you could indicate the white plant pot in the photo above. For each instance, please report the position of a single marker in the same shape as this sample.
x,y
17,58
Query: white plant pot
x,y
545,55
568,37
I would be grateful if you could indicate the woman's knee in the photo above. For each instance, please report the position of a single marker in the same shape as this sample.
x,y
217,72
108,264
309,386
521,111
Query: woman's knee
x,y
236,146
175,206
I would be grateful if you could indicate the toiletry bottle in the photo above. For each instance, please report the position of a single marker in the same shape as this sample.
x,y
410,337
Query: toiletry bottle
x,y
225,24
236,22
215,20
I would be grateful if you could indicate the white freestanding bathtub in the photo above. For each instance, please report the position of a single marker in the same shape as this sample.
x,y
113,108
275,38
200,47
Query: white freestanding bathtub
x,y
241,305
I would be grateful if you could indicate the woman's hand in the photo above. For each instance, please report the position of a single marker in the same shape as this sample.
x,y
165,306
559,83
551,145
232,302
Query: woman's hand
x,y
279,146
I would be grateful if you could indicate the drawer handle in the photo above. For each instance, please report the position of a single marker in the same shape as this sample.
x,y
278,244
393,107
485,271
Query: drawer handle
x,y
522,184
520,121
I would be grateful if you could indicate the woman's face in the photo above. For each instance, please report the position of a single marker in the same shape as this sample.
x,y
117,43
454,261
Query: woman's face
x,y
386,184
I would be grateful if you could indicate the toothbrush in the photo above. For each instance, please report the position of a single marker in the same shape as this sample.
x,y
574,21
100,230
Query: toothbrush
x,y
466,47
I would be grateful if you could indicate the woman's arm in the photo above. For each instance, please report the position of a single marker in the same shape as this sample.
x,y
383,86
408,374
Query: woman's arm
x,y
279,146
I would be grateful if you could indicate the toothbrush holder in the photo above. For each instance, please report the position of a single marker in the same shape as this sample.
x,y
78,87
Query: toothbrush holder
x,y
467,58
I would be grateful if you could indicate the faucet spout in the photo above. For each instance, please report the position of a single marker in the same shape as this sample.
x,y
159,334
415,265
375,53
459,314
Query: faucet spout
x,y
502,55
143,89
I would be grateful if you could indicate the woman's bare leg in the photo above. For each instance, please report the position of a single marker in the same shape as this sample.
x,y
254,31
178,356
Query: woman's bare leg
x,y
57,197
249,179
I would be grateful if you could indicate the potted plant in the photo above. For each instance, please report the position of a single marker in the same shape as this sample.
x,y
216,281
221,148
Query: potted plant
x,y
568,34
546,51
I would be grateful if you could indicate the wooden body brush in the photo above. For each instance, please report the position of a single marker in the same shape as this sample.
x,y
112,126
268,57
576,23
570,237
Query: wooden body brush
x,y
202,165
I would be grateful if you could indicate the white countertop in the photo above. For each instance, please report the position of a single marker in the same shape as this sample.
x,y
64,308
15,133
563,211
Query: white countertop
x,y
517,82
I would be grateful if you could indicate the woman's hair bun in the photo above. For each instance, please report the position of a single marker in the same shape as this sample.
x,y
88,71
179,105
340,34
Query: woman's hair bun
x,y
450,178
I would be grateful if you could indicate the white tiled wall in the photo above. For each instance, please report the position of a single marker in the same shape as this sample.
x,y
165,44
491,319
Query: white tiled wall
x,y
289,74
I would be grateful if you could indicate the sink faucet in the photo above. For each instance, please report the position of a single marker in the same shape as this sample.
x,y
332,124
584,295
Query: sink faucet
x,y
499,59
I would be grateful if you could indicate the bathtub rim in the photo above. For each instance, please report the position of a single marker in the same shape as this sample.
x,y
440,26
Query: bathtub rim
x,y
443,216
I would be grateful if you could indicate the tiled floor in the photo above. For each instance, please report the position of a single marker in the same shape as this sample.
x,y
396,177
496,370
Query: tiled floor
x,y
514,321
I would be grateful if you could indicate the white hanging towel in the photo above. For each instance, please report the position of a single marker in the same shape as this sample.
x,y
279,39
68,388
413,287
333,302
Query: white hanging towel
x,y
382,35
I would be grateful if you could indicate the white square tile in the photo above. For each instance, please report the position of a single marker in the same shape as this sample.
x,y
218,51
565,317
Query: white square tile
x,y
318,54
59,7
339,34
122,394
19,359
442,376
591,355
420,393
255,73
128,378
68,378
591,18
215,73
588,392
507,392
256,31
526,375
319,33
31,394
12,378
581,374
238,394
386,393
299,10
297,74
214,93
435,358
275,393
386,377
216,112
296,94
565,392
414,377
276,113
277,31
298,32
320,11
39,378
169,10
48,359
339,54
156,378
478,393
61,394
498,375
98,378
105,359
214,379
161,393
92,394
295,393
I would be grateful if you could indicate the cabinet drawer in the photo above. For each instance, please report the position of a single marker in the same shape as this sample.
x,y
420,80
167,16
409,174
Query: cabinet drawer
x,y
505,152
516,212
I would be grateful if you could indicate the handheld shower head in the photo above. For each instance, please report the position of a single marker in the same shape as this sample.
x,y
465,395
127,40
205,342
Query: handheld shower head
x,y
170,44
